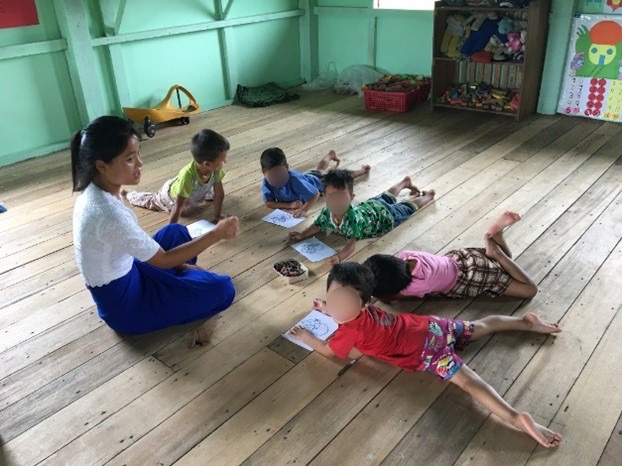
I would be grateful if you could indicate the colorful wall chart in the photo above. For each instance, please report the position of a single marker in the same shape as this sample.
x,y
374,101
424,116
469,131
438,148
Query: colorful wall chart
x,y
592,84
601,6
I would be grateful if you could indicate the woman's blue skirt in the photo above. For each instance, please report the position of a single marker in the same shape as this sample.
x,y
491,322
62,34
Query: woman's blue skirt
x,y
149,298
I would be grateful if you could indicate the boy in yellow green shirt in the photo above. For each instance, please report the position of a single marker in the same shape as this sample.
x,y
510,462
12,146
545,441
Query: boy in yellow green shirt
x,y
198,181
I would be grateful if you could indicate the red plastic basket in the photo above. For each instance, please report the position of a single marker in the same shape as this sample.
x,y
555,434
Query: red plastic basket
x,y
396,101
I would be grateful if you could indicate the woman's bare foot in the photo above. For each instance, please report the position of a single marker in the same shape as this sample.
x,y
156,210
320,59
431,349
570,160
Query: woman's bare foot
x,y
192,267
537,325
503,221
545,437
200,335
424,198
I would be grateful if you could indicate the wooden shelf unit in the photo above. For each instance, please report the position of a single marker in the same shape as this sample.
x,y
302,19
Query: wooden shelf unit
x,y
524,76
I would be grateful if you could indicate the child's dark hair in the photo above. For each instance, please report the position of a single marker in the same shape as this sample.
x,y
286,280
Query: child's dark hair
x,y
340,179
353,275
391,274
272,157
207,145
104,138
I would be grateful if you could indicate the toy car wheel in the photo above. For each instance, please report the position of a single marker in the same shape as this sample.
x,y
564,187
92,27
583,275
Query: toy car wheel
x,y
150,130
185,121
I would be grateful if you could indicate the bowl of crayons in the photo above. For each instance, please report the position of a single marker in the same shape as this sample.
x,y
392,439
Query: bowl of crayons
x,y
291,270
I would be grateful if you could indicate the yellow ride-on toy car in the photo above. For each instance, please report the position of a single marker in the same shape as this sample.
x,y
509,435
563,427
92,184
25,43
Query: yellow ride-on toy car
x,y
164,111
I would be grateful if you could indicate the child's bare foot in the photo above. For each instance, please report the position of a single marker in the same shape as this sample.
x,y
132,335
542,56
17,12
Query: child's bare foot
x,y
332,156
503,221
406,183
425,198
537,325
364,170
545,437
414,191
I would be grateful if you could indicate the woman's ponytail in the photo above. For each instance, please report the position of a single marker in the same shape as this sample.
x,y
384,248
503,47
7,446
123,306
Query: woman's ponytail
x,y
76,140
104,138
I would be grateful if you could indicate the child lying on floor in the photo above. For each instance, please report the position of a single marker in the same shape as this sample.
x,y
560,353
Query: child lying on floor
x,y
370,219
287,189
463,273
418,343
199,181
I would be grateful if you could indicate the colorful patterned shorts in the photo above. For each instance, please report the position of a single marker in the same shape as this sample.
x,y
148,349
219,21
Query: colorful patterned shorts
x,y
478,274
444,337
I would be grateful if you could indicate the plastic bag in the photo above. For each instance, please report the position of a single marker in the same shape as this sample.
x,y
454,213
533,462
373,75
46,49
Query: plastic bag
x,y
351,80
326,79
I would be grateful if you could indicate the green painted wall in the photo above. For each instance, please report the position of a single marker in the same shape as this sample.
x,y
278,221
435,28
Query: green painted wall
x,y
562,12
40,111
37,102
403,38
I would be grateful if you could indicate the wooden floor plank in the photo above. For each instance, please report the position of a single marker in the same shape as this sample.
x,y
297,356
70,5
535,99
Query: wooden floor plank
x,y
52,433
585,441
133,419
206,412
613,450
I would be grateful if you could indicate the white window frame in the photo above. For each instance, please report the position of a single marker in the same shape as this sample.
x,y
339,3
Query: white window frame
x,y
426,5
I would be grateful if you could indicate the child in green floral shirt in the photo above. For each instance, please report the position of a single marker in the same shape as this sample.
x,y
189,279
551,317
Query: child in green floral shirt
x,y
370,219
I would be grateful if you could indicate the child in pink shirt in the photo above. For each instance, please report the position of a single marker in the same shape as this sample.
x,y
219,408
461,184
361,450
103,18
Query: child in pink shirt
x,y
462,273
418,343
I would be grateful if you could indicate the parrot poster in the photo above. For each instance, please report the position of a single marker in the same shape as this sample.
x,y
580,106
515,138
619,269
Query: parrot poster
x,y
592,85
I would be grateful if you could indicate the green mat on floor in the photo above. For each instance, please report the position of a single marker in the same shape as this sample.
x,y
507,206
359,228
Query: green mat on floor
x,y
263,96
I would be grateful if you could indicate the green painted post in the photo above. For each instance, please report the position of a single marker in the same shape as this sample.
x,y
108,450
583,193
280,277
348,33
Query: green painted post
x,y
227,48
371,41
81,61
112,23
304,39
560,23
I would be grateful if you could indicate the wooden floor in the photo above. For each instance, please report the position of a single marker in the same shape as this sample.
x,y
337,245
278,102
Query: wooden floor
x,y
75,393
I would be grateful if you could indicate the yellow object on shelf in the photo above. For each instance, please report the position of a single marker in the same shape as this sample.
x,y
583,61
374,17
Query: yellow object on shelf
x,y
164,111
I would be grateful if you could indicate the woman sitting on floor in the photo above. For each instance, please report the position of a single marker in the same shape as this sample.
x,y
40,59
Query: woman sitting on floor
x,y
139,283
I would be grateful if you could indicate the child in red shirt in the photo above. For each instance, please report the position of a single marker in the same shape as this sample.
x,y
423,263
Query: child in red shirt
x,y
417,343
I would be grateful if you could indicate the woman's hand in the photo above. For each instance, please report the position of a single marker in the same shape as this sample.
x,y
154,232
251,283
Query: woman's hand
x,y
227,228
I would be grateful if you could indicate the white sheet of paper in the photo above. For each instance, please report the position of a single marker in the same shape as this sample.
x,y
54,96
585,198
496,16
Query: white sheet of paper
x,y
282,218
316,322
314,250
198,228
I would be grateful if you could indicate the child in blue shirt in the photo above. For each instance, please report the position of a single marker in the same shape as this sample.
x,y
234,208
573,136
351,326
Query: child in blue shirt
x,y
287,189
